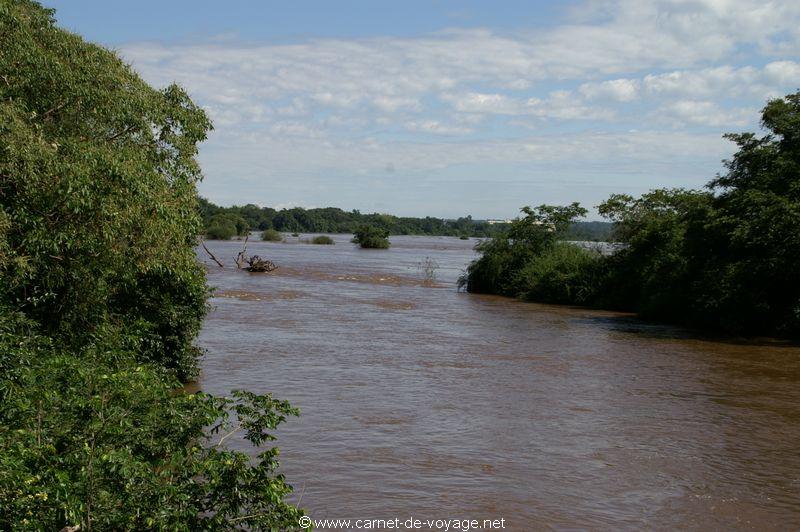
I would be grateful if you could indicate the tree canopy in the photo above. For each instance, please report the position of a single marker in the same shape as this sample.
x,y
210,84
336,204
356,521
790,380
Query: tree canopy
x,y
723,258
101,298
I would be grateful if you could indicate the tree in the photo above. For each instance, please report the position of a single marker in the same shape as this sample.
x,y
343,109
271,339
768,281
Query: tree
x,y
371,237
506,255
724,258
750,281
223,226
97,184
101,298
653,274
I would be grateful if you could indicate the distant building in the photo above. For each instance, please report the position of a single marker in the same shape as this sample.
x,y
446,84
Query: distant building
x,y
493,222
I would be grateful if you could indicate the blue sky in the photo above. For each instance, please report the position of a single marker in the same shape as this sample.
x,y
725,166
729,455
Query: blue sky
x,y
448,108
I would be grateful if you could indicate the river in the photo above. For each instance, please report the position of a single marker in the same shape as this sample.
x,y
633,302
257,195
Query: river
x,y
418,400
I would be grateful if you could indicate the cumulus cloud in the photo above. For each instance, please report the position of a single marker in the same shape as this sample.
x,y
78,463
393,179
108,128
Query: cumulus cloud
x,y
436,127
621,90
706,113
664,67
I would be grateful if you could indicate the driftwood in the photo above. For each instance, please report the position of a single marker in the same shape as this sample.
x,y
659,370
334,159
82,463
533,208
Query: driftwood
x,y
254,263
202,243
241,257
257,264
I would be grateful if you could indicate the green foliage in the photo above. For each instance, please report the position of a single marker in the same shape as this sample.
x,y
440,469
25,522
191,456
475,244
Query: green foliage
x,y
503,256
96,439
224,226
590,232
97,185
271,235
333,220
564,273
324,240
652,274
101,297
725,258
748,279
370,237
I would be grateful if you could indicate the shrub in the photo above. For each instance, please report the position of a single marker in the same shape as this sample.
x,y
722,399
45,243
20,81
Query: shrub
x,y
271,235
225,226
464,237
221,231
502,257
371,237
564,273
323,240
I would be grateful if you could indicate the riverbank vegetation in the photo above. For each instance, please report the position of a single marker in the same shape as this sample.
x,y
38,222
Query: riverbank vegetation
x,y
101,298
238,219
722,258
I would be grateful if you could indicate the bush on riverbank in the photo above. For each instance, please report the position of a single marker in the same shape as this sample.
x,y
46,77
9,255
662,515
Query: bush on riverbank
x,y
564,273
371,237
502,259
101,298
724,258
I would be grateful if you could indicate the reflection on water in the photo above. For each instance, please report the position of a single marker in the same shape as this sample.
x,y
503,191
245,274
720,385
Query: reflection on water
x,y
419,400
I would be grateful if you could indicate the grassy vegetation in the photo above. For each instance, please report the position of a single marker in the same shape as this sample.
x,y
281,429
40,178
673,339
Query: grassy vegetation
x,y
324,240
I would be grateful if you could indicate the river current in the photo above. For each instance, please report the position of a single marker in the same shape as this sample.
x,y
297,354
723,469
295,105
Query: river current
x,y
418,400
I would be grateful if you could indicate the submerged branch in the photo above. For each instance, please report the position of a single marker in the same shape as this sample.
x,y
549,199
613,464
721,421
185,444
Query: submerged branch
x,y
202,243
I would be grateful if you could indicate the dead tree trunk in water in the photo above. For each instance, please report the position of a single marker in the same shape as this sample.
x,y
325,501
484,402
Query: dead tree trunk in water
x,y
241,257
202,243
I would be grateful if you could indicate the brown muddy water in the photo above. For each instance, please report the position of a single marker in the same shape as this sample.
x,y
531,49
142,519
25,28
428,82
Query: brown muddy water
x,y
421,401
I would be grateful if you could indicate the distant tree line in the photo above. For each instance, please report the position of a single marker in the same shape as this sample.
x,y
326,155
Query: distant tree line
x,y
226,222
723,258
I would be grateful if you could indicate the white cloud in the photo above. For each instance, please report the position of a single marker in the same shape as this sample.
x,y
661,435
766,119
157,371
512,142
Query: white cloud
x,y
475,102
621,90
392,104
706,113
566,105
671,69
436,127
785,73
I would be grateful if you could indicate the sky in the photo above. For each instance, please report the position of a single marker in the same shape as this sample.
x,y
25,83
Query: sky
x,y
448,108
